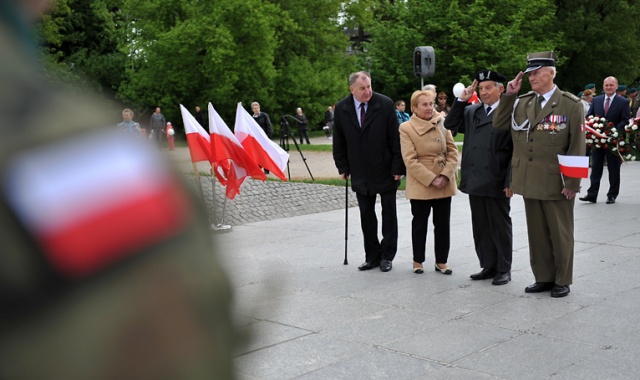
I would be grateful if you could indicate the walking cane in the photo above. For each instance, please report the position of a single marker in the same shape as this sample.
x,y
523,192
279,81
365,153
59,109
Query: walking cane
x,y
346,218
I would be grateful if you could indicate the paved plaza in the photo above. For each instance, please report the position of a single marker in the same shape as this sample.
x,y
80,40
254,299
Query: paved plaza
x,y
311,317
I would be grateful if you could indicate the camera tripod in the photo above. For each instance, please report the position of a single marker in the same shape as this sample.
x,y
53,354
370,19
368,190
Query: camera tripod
x,y
285,132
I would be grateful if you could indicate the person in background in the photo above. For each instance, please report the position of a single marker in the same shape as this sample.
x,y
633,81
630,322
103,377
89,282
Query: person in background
x,y
200,118
128,125
586,98
615,109
91,285
171,138
431,158
400,112
303,126
157,124
485,175
328,121
366,147
262,118
544,123
442,107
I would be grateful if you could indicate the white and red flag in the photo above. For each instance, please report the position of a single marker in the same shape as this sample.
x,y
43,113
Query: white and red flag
x,y
92,201
197,138
264,152
474,99
225,146
574,166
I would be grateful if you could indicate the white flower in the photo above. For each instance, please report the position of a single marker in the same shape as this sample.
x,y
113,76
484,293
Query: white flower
x,y
633,158
615,134
634,127
603,140
622,143
614,149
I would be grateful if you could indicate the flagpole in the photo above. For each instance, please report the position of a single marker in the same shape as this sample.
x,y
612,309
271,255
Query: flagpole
x,y
217,227
197,174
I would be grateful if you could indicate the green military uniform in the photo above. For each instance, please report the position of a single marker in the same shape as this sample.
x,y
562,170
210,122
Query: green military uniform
x,y
149,307
537,140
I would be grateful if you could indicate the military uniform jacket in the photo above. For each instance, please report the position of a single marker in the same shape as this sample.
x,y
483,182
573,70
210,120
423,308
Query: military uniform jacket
x,y
538,139
487,151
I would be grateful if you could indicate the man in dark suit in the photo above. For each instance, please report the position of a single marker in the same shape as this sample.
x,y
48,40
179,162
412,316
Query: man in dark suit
x,y
614,108
544,123
366,146
485,175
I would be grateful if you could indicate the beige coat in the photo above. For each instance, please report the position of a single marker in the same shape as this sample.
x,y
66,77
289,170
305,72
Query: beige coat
x,y
428,150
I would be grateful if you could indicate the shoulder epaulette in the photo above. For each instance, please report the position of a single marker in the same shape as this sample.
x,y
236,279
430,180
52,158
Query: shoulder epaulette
x,y
571,96
530,93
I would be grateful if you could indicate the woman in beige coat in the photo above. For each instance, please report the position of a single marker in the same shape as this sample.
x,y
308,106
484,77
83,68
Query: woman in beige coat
x,y
431,157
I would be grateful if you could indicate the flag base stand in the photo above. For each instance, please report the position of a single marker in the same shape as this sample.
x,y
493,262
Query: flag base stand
x,y
220,228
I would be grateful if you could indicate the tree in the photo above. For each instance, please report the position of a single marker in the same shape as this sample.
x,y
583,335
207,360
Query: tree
x,y
81,42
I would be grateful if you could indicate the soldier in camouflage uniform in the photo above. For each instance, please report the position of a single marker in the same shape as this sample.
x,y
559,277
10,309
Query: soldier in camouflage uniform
x,y
95,284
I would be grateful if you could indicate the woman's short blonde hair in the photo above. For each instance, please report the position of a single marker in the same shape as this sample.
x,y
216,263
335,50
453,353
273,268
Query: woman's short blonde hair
x,y
420,93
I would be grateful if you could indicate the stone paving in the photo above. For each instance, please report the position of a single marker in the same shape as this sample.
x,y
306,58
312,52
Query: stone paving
x,y
311,317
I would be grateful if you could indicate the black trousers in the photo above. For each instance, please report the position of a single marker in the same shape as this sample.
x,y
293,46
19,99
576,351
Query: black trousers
x,y
376,250
421,209
598,157
304,134
492,231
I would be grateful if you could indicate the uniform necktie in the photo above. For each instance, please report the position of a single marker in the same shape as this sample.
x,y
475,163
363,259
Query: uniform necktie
x,y
606,105
362,112
539,104
488,110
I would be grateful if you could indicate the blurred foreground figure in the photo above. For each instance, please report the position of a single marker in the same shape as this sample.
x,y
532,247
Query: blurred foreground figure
x,y
106,263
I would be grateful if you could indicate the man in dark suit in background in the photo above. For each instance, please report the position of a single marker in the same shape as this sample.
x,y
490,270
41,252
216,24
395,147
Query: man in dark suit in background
x,y
544,123
614,108
485,175
366,146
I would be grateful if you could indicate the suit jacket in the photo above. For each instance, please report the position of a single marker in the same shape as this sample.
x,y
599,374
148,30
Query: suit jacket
x,y
619,111
371,154
487,151
534,167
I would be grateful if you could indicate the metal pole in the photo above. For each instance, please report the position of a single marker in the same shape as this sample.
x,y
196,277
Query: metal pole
x,y
346,218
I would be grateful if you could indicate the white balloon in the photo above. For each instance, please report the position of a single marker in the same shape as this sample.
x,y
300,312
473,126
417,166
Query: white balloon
x,y
457,89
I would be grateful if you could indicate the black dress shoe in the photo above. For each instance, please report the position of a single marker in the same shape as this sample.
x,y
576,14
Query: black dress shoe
x,y
588,199
385,265
611,200
539,287
484,274
369,265
501,278
560,291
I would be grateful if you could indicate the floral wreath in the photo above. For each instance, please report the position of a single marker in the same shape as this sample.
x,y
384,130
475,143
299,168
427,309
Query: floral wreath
x,y
602,134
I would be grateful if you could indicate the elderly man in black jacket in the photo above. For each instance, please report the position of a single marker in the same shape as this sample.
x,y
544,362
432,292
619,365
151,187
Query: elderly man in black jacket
x,y
366,146
485,175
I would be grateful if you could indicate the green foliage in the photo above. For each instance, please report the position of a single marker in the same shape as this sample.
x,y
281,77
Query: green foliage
x,y
292,53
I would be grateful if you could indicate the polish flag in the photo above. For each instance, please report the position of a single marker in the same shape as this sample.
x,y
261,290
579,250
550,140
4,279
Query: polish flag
x,y
474,99
197,138
265,152
225,146
92,201
574,166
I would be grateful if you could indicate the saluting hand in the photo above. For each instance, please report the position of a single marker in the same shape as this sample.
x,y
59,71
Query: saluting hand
x,y
468,92
513,87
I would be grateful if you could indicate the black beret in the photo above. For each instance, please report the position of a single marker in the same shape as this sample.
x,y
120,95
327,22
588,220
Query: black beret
x,y
486,75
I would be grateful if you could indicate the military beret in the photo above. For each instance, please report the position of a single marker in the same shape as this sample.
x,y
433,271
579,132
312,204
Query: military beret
x,y
589,86
540,59
579,94
622,87
486,75
633,90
